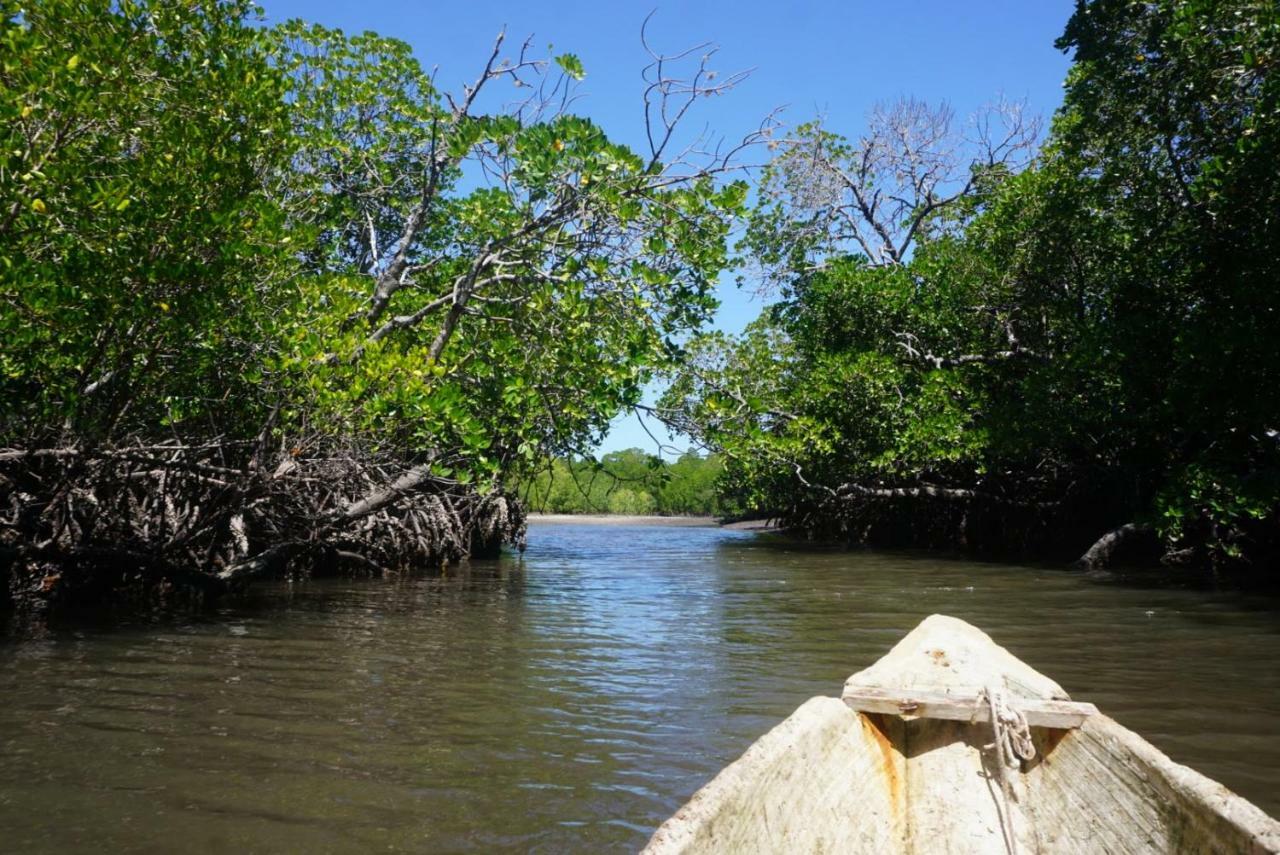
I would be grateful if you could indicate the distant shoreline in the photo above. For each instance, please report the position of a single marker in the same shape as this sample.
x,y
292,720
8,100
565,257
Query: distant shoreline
x,y
657,521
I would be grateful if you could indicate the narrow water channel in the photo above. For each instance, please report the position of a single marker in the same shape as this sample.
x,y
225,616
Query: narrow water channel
x,y
564,702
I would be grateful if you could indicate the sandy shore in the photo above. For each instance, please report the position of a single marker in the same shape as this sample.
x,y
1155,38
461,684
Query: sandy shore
x,y
625,519
752,525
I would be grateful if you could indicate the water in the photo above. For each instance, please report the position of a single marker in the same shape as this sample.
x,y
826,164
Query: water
x,y
569,701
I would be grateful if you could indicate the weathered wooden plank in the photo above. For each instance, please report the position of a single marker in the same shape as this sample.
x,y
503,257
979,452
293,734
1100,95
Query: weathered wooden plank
x,y
943,705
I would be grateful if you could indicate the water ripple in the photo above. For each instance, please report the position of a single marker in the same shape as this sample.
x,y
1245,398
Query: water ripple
x,y
565,701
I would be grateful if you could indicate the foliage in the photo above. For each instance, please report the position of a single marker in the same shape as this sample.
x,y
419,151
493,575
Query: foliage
x,y
138,240
821,393
626,482
234,257
487,290
1172,133
207,223
1088,342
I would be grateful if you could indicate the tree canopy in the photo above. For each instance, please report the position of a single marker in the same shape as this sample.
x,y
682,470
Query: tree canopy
x,y
140,242
271,295
274,296
1032,356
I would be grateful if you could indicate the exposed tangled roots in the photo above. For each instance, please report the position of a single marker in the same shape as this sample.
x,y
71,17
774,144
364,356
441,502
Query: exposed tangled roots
x,y
498,519
182,519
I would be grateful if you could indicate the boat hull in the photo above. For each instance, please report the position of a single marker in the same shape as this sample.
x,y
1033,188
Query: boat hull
x,y
830,779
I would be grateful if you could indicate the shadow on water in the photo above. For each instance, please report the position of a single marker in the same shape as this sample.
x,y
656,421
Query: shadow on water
x,y
1263,594
566,701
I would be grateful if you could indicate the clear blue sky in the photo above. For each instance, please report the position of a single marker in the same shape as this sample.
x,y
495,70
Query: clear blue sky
x,y
833,58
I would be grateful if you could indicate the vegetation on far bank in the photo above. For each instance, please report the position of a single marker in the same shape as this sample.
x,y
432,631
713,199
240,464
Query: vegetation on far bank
x,y
630,482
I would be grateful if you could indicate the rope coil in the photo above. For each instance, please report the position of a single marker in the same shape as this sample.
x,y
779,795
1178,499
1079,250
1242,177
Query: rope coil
x,y
1013,745
1009,727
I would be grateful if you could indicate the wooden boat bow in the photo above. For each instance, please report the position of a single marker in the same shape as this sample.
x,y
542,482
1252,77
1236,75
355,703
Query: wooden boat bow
x,y
906,761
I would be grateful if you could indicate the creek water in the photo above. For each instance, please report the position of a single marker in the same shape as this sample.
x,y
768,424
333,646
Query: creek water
x,y
565,701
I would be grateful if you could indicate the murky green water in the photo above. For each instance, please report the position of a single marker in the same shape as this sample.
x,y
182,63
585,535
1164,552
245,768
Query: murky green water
x,y
565,702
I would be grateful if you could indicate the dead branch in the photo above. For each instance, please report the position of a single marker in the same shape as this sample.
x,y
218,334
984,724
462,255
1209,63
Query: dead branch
x,y
903,178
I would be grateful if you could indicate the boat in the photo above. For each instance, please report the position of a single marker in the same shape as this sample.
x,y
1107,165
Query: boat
x,y
950,744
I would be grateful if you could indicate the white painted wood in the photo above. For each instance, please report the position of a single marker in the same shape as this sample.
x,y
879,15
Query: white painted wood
x,y
795,789
829,779
918,703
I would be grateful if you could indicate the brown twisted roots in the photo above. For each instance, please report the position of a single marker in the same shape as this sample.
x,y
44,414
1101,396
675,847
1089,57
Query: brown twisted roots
x,y
174,519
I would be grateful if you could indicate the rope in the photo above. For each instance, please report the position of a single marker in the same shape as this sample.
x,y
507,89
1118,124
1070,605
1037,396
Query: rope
x,y
1010,728
1013,745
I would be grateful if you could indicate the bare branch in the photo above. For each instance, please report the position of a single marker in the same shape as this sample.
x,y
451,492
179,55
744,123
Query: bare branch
x,y
668,98
902,179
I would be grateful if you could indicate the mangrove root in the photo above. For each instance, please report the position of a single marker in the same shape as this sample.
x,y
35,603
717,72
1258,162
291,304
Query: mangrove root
x,y
81,525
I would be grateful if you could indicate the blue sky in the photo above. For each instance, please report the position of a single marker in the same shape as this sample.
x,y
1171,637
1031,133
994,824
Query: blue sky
x,y
837,59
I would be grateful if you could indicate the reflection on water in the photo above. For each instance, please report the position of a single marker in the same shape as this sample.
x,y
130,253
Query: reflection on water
x,y
568,701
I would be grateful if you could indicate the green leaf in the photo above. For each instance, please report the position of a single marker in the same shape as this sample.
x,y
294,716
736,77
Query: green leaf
x,y
571,65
